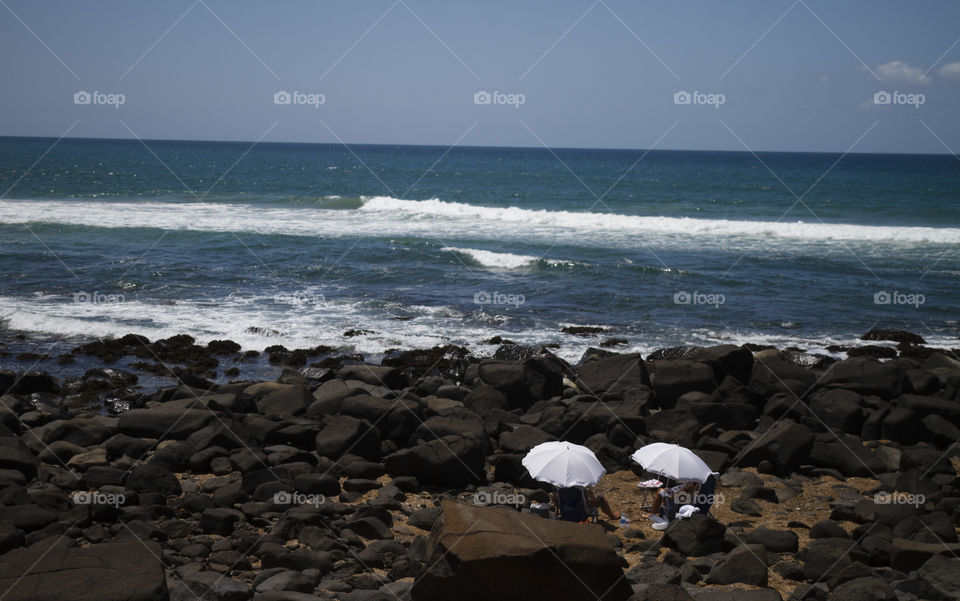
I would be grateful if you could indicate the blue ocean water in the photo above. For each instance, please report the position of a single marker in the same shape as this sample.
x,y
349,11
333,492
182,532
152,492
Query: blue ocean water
x,y
295,244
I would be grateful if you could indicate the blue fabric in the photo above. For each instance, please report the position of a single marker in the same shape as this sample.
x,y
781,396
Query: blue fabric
x,y
571,504
705,494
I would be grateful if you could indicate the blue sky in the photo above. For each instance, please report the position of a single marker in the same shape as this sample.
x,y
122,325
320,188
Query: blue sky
x,y
791,75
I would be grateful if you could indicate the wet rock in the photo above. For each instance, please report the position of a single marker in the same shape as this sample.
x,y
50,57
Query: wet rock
x,y
893,335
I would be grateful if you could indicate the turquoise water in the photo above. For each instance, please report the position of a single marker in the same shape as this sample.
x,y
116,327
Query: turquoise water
x,y
294,244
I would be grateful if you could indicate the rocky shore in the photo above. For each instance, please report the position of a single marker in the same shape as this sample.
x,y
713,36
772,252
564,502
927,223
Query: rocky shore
x,y
402,480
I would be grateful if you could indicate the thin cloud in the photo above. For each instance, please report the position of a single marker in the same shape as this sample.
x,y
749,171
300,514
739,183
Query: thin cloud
x,y
950,70
901,72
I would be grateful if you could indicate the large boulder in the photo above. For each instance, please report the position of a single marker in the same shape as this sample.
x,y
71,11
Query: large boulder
x,y
847,455
672,379
451,461
19,460
523,438
728,360
867,377
746,564
838,409
696,536
909,555
482,553
129,571
344,434
614,374
280,400
521,384
785,445
773,372
163,422
150,477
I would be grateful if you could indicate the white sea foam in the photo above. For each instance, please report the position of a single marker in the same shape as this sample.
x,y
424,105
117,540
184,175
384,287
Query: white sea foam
x,y
614,222
497,260
382,215
313,321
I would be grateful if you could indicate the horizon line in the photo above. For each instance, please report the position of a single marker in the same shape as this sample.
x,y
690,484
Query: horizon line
x,y
471,146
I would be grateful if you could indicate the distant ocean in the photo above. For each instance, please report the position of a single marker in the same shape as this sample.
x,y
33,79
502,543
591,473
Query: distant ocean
x,y
296,244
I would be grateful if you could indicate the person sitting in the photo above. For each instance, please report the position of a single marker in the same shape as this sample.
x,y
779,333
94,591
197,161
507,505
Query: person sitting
x,y
577,503
705,496
669,500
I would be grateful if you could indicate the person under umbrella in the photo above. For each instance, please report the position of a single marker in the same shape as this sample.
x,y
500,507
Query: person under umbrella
x,y
677,463
572,468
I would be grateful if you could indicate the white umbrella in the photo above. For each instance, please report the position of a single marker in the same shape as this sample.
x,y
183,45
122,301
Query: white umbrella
x,y
672,461
563,464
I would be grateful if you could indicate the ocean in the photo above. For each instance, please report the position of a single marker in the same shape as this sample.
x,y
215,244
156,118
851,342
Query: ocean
x,y
296,244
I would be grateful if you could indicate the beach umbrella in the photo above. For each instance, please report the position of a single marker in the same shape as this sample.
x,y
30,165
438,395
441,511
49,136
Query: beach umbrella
x,y
672,461
563,464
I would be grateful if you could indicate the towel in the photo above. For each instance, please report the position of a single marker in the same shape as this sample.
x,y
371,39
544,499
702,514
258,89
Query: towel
x,y
687,511
650,484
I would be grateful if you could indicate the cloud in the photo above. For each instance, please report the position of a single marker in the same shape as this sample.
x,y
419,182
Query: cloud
x,y
951,70
900,72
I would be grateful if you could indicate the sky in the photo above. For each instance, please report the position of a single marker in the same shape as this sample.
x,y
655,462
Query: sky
x,y
769,75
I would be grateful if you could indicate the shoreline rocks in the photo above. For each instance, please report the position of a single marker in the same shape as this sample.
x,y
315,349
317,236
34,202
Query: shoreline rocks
x,y
323,483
